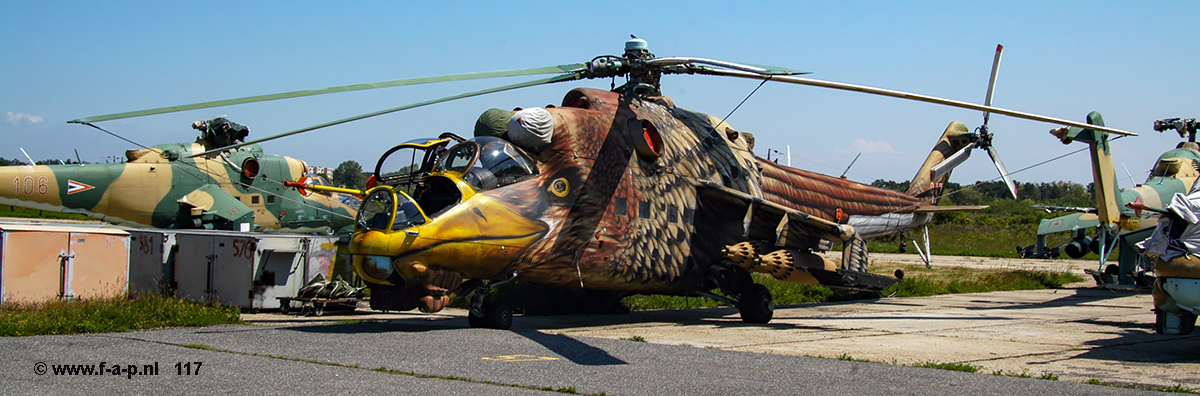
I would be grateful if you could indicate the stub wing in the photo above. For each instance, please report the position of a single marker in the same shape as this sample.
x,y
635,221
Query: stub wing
x,y
1055,208
766,237
1069,222
211,205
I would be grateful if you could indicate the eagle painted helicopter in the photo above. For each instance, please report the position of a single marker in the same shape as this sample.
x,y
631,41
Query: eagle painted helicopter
x,y
160,186
618,191
1116,221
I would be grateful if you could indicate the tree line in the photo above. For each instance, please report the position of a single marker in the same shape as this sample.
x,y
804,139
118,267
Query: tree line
x,y
15,162
1058,193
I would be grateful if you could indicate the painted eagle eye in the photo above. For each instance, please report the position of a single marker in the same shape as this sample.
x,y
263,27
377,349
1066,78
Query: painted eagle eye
x,y
560,187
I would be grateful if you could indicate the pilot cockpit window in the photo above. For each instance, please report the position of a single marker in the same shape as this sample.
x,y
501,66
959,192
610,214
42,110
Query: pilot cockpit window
x,y
460,158
407,214
498,164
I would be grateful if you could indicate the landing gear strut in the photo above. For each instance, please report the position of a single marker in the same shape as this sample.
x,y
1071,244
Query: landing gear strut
x,y
491,314
754,300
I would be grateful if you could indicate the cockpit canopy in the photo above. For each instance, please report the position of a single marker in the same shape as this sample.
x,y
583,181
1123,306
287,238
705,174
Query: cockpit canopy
x,y
486,162
409,161
483,163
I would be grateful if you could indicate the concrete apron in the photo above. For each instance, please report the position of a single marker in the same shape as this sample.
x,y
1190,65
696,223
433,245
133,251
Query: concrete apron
x,y
1077,333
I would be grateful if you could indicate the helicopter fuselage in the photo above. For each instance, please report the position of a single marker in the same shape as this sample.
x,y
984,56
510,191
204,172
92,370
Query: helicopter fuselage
x,y
160,187
611,203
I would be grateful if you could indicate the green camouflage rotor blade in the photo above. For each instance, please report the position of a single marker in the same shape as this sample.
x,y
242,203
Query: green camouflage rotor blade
x,y
572,68
548,80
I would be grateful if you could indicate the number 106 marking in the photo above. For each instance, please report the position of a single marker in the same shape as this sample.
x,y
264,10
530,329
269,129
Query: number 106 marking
x,y
27,186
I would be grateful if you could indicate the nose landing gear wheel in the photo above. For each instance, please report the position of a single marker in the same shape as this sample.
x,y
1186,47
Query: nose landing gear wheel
x,y
496,315
756,304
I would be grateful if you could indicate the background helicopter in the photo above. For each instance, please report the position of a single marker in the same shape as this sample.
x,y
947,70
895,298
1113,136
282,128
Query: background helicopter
x,y
162,187
614,190
1116,223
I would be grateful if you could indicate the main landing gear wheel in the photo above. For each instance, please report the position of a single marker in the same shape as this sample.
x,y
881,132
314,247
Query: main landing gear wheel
x,y
496,315
756,304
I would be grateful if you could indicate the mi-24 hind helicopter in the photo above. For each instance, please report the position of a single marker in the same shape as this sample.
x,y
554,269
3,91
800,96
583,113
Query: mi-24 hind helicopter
x,y
1117,219
619,191
162,187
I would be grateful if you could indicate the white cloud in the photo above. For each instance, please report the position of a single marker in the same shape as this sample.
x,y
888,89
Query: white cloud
x,y
865,147
17,118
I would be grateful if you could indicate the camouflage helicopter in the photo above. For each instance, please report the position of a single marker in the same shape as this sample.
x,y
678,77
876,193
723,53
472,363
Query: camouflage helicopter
x,y
1176,287
1116,221
160,186
619,191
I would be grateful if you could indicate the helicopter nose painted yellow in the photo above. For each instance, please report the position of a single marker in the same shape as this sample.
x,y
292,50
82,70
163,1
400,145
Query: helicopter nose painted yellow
x,y
473,240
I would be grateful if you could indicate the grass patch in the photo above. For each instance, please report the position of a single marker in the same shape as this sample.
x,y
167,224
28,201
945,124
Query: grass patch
x,y
848,358
635,338
966,368
103,315
16,211
979,240
918,281
202,347
785,293
1025,374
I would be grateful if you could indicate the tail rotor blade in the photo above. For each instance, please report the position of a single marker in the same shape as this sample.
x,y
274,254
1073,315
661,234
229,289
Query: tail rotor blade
x,y
1008,180
992,81
572,68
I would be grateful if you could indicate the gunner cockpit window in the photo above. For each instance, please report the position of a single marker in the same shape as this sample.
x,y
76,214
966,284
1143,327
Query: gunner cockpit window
x,y
376,211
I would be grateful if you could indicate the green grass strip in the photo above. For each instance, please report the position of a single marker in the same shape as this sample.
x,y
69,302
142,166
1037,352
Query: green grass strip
x,y
113,314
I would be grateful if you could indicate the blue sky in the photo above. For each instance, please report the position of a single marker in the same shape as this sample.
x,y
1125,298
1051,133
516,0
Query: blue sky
x,y
1132,61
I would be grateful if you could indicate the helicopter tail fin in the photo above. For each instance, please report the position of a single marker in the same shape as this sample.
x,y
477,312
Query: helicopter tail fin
x,y
925,183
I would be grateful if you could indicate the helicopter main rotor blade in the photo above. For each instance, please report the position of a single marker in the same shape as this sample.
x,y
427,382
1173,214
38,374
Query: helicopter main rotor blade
x,y
987,101
1008,180
913,96
746,67
572,68
548,80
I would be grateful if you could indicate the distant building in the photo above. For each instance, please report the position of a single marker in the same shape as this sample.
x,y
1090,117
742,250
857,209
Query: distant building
x,y
324,172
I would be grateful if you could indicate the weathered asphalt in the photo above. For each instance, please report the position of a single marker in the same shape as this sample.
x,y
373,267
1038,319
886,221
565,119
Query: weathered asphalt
x,y
336,358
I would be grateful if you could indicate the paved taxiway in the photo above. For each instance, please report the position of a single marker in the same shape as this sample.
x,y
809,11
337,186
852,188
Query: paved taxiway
x,y
281,359
1075,333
